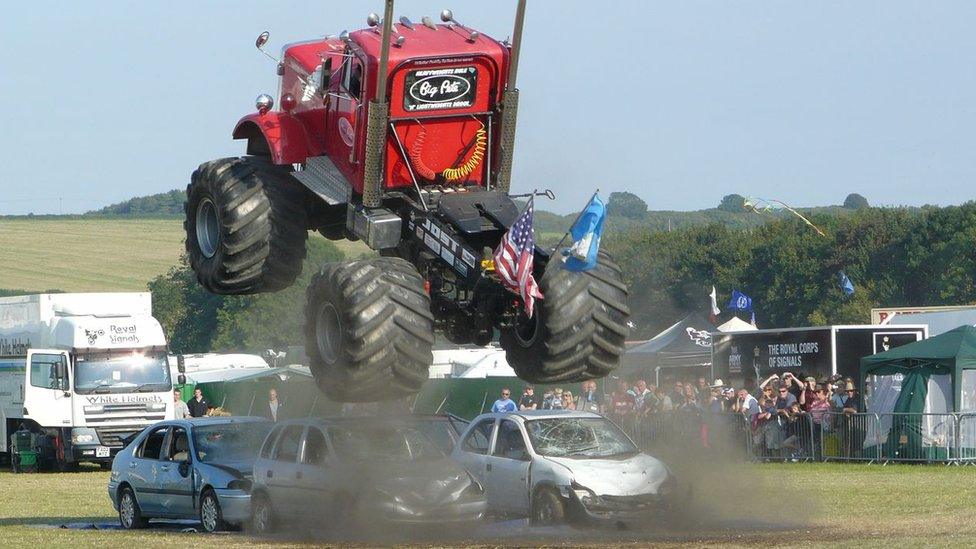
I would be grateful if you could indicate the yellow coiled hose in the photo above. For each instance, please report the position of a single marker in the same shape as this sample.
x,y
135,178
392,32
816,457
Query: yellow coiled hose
x,y
464,170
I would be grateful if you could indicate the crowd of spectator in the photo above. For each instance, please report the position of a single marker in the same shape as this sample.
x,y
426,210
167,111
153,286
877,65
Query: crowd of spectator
x,y
786,416
789,414
557,398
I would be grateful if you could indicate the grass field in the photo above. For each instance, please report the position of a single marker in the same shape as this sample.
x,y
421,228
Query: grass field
x,y
84,255
822,505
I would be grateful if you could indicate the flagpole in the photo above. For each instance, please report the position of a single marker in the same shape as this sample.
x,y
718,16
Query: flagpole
x,y
560,243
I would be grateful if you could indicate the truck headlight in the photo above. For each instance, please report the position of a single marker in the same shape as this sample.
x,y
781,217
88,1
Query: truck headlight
x,y
83,435
95,409
157,407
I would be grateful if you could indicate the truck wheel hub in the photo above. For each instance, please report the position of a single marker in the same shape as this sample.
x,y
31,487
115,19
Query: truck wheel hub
x,y
328,333
527,329
207,228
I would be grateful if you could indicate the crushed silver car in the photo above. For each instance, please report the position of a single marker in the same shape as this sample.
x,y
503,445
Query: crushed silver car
x,y
188,469
342,472
555,465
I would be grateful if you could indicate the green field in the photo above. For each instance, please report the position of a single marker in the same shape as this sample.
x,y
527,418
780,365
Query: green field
x,y
86,255
775,505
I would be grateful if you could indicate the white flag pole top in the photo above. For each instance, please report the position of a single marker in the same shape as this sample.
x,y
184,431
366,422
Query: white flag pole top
x,y
563,239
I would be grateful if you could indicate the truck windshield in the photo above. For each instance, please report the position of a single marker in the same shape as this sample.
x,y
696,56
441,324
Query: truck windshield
x,y
578,438
121,372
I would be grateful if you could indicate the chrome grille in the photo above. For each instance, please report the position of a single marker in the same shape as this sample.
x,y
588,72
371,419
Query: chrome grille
x,y
112,436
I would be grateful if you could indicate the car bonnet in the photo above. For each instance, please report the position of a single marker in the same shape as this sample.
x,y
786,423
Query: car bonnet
x,y
640,474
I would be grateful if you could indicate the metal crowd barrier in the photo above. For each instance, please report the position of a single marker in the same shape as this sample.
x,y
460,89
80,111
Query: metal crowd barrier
x,y
893,437
965,451
784,439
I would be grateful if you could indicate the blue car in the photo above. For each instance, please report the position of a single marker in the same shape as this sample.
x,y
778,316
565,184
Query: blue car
x,y
188,469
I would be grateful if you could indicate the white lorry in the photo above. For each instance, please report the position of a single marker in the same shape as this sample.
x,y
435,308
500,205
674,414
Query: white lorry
x,y
82,372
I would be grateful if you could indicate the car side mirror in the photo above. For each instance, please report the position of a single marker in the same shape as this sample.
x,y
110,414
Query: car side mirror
x,y
184,468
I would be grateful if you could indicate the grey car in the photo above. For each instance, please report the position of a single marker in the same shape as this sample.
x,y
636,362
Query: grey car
x,y
555,465
188,469
347,471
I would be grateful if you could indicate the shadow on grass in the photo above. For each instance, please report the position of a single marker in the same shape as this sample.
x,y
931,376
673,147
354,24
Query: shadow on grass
x,y
55,521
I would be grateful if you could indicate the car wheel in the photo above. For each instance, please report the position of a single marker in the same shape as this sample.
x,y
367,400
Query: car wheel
x,y
130,516
262,517
547,508
211,517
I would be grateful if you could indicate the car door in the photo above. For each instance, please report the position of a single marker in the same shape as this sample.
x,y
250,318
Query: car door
x,y
143,469
508,469
174,477
472,452
282,478
316,477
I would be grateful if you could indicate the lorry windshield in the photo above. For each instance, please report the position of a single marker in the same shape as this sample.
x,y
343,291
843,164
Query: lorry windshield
x,y
578,438
121,372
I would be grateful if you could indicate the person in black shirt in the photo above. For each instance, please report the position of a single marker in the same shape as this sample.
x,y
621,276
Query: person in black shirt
x,y
528,400
854,428
198,405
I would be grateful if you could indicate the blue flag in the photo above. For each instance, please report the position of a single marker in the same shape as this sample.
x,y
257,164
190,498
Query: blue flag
x,y
740,301
846,284
587,230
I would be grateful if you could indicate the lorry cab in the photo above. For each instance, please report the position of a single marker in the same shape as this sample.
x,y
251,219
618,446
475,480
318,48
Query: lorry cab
x,y
84,371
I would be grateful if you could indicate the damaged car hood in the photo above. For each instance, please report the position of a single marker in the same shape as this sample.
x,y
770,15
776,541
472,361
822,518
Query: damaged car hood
x,y
640,474
431,482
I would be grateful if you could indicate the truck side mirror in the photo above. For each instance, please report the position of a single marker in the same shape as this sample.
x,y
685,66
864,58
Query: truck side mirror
x,y
262,39
180,365
181,379
61,371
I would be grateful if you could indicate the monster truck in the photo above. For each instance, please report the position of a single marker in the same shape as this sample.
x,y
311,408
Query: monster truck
x,y
401,135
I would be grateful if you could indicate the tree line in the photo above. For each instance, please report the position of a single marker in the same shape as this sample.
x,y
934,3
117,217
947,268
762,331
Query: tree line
x,y
893,256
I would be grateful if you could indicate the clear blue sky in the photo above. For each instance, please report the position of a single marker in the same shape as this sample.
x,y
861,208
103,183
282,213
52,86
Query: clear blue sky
x,y
679,102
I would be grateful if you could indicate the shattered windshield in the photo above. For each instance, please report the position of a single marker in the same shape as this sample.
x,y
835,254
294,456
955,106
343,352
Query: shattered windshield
x,y
578,438
383,442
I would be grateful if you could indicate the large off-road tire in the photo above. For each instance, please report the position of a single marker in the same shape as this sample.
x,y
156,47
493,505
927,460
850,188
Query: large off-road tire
x,y
369,330
578,329
245,226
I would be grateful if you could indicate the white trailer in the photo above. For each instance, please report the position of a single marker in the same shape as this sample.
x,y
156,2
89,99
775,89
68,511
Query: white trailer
x,y
82,371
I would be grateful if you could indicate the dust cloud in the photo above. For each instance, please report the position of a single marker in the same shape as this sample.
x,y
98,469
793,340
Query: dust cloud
x,y
721,498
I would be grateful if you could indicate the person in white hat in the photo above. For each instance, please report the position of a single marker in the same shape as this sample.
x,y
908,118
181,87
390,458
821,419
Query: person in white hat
x,y
716,403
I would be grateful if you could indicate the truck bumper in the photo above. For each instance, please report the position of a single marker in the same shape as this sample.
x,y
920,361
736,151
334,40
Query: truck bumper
x,y
95,453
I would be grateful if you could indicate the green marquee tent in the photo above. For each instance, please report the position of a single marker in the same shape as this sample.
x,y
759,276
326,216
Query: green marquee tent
x,y
926,379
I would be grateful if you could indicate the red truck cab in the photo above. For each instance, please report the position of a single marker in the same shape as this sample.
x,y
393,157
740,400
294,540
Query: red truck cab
x,y
444,85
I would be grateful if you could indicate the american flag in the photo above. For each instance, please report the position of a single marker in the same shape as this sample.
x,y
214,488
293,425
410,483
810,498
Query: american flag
x,y
515,258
